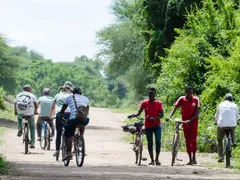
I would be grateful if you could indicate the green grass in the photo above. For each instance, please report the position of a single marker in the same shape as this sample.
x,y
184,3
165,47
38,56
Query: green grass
x,y
8,113
124,110
3,163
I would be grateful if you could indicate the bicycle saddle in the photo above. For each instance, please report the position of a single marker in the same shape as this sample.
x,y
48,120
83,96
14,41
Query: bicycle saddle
x,y
138,124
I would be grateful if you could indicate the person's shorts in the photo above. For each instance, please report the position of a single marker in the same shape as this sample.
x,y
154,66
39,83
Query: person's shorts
x,y
71,125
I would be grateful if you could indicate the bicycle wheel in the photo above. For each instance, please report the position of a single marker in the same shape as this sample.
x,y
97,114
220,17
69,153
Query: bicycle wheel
x,y
43,142
48,137
228,152
80,151
174,148
136,149
140,147
26,139
64,151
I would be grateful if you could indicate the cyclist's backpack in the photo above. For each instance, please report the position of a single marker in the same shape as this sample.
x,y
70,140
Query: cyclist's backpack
x,y
82,111
24,102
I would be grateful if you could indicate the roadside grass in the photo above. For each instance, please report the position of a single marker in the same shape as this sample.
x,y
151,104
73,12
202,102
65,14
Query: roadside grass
x,y
124,110
8,113
3,163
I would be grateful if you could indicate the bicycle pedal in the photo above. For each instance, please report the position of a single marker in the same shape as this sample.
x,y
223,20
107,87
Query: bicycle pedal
x,y
144,159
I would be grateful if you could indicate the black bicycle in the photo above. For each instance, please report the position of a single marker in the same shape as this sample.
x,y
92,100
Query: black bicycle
x,y
137,131
228,147
79,148
176,139
26,139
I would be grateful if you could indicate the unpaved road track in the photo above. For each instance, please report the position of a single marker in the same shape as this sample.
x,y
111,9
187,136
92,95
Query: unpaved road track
x,y
108,157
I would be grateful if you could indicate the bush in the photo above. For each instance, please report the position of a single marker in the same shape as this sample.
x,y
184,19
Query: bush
x,y
3,165
2,104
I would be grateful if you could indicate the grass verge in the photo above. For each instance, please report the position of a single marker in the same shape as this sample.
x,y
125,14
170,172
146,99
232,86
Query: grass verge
x,y
3,163
8,113
124,110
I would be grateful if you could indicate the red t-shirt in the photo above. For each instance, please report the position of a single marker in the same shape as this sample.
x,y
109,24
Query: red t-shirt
x,y
152,110
188,106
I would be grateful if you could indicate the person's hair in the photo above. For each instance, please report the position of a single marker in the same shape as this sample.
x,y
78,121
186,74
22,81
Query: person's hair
x,y
77,90
152,89
46,91
229,97
188,88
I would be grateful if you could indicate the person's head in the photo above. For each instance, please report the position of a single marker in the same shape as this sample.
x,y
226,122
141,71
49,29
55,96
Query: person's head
x,y
152,93
67,88
229,97
189,91
69,83
77,90
27,88
46,91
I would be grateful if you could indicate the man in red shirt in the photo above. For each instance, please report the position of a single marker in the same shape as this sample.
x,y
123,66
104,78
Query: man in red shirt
x,y
190,110
153,112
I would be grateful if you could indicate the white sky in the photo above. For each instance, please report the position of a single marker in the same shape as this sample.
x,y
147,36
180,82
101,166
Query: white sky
x,y
58,29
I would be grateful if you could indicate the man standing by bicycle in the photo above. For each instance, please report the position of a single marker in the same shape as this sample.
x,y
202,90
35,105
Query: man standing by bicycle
x,y
153,112
74,101
226,118
190,110
45,103
59,99
26,105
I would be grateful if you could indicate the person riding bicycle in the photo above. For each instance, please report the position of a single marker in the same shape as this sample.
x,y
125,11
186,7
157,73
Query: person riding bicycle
x,y
26,105
190,110
45,103
59,99
153,112
74,101
226,118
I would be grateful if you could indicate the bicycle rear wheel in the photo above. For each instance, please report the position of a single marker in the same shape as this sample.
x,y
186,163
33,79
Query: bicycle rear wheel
x,y
26,139
174,148
48,137
64,151
80,151
228,153
43,142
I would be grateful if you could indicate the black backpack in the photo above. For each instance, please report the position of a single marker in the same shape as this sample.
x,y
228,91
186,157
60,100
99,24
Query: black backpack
x,y
82,111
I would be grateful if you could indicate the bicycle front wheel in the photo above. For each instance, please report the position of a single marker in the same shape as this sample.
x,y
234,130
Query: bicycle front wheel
x,y
26,139
80,151
48,137
174,148
140,145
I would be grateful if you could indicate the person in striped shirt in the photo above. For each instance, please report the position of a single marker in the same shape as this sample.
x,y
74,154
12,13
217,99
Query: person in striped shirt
x,y
72,123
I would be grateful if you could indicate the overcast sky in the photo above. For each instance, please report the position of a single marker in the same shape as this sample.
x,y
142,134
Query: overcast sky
x,y
58,29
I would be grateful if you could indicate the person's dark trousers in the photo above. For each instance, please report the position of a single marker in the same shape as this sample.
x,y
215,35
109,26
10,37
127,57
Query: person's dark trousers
x,y
157,130
59,126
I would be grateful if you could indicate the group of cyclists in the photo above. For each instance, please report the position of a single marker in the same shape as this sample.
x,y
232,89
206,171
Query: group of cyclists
x,y
63,106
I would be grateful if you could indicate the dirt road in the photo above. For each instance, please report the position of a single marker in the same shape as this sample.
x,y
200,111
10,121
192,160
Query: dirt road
x,y
108,157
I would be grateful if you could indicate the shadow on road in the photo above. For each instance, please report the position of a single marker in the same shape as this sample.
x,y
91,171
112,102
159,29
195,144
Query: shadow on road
x,y
8,123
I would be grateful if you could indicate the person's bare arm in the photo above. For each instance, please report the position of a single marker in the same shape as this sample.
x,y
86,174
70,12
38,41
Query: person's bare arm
x,y
64,107
195,115
52,111
172,113
137,114
35,107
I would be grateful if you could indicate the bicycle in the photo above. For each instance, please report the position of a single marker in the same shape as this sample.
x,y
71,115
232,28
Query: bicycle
x,y
79,147
26,139
176,138
46,136
137,131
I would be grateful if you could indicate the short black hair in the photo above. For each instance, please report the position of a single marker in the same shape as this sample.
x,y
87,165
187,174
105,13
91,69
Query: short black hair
x,y
77,90
152,89
188,88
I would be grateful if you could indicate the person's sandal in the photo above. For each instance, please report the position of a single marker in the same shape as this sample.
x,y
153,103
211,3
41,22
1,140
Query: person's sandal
x,y
151,163
158,163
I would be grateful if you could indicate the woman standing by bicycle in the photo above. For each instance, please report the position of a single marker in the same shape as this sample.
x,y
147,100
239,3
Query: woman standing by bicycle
x,y
190,110
153,111
58,101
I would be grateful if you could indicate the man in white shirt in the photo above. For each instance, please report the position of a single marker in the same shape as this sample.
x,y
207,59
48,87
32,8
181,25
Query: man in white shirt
x,y
26,105
226,118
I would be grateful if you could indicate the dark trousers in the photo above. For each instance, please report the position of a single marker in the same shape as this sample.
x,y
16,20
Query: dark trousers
x,y
59,126
157,130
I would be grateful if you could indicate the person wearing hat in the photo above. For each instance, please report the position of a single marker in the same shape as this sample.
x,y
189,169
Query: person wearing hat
x,y
26,105
57,104
226,118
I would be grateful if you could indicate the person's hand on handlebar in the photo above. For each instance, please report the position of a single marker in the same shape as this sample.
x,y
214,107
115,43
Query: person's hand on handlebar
x,y
131,116
168,119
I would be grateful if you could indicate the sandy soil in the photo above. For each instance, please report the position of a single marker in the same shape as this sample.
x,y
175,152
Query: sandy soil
x,y
108,157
